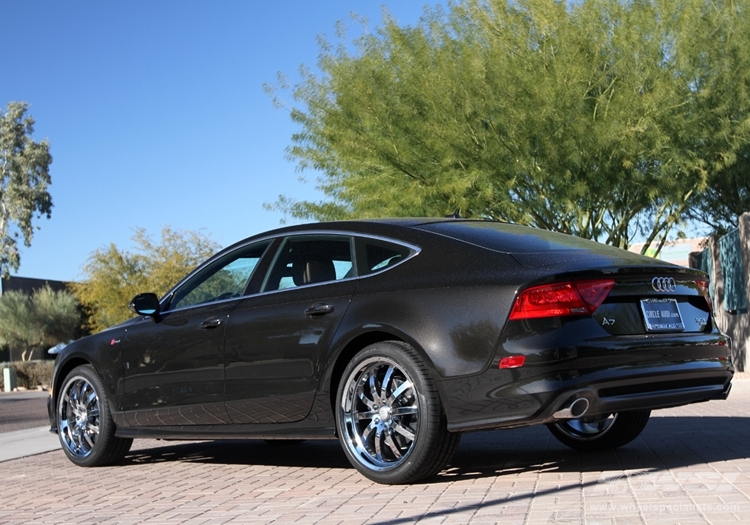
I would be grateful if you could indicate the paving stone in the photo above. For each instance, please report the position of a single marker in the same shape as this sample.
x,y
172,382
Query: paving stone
x,y
691,465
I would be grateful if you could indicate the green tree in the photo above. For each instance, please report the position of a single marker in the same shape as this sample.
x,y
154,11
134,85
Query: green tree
x,y
24,178
726,197
603,119
41,320
114,276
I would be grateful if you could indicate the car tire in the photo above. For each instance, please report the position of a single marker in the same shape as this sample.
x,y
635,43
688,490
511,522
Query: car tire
x,y
601,433
389,417
84,421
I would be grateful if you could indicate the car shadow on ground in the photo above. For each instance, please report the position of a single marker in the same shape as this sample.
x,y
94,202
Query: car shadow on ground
x,y
666,443
316,454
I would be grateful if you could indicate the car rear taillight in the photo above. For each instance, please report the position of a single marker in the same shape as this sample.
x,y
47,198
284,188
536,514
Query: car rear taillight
x,y
559,299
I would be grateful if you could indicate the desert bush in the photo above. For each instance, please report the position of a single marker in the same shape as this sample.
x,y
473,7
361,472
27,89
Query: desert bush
x,y
30,374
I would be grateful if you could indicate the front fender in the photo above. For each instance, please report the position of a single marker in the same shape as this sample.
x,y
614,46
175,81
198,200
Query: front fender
x,y
102,353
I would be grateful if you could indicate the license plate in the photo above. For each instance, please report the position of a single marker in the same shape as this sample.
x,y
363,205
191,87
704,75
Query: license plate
x,y
661,315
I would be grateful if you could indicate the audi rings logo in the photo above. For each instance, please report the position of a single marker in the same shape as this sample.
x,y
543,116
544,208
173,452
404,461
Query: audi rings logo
x,y
663,284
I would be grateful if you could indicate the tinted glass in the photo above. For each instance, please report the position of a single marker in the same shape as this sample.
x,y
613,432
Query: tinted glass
x,y
379,255
226,278
310,259
511,238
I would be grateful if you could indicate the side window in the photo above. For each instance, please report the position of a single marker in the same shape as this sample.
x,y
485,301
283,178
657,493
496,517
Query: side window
x,y
375,255
226,278
311,259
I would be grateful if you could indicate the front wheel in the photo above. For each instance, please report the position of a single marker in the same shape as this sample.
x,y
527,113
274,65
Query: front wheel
x,y
389,417
603,432
84,423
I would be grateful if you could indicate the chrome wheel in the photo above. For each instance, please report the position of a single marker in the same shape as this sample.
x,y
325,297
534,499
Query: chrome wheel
x,y
380,413
78,417
588,427
603,432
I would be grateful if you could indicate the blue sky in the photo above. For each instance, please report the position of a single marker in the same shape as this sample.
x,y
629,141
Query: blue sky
x,y
156,115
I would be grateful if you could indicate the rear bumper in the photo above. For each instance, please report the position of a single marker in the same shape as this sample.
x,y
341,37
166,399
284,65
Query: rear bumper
x,y
612,374
518,408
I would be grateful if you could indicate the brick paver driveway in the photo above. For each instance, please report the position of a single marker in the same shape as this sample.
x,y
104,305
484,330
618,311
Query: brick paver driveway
x,y
691,465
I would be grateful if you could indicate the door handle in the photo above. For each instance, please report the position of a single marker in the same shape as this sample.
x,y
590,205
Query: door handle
x,y
210,324
319,309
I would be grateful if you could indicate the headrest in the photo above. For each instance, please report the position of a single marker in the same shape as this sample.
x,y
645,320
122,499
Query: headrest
x,y
313,269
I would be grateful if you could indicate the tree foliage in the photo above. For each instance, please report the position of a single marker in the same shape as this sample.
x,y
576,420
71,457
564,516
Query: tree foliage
x,y
112,276
24,178
43,319
604,119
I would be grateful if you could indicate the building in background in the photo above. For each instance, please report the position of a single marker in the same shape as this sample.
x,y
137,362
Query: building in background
x,y
675,252
29,285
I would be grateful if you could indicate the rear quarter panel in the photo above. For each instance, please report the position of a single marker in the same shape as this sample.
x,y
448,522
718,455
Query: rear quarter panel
x,y
450,305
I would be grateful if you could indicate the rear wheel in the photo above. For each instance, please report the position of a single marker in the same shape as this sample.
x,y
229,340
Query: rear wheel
x,y
84,423
389,417
602,432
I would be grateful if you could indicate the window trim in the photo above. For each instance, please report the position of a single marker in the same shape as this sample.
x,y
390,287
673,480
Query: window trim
x,y
166,302
415,250
285,240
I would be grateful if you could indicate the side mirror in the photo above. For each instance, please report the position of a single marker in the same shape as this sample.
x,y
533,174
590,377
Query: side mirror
x,y
145,304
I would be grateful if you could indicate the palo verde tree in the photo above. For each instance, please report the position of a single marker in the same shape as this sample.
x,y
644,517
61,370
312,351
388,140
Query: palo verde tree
x,y
42,320
24,178
112,276
604,119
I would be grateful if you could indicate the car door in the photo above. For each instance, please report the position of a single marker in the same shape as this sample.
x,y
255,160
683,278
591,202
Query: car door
x,y
174,361
276,339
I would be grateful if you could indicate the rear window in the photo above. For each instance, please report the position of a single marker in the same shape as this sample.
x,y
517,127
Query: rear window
x,y
511,238
376,255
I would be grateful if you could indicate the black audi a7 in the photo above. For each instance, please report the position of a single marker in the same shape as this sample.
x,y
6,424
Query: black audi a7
x,y
395,336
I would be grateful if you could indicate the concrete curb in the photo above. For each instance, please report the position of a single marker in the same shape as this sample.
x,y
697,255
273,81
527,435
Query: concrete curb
x,y
27,442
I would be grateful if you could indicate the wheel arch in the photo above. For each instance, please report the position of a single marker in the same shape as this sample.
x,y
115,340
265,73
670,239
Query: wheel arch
x,y
64,370
359,343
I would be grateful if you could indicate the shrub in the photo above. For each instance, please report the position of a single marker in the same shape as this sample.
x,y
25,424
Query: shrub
x,y
30,374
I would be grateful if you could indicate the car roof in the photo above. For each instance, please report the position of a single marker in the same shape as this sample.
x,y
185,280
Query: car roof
x,y
354,225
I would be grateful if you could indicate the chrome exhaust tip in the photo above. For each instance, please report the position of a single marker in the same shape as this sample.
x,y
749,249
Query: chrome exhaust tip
x,y
577,408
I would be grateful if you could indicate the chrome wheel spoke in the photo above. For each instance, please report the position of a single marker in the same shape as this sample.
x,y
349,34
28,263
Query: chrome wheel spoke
x,y
405,411
378,440
401,390
76,393
91,399
368,402
373,386
367,432
357,416
392,445
408,434
77,438
386,382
